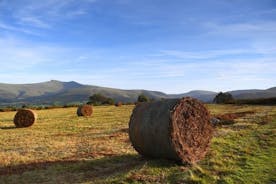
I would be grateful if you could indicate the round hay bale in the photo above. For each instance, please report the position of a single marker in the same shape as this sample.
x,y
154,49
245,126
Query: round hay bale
x,y
85,110
176,129
118,104
24,118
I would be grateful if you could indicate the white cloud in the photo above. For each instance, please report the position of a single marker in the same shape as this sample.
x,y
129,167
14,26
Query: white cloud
x,y
27,62
34,21
19,55
177,77
18,59
17,29
204,54
256,48
170,70
243,28
45,14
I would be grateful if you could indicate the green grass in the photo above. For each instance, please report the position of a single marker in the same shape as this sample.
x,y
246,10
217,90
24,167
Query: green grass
x,y
63,148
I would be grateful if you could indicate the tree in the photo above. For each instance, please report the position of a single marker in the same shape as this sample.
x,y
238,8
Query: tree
x,y
142,98
108,101
223,98
99,99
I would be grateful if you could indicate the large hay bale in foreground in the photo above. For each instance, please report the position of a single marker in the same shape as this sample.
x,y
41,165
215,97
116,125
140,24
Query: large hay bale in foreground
x,y
177,129
24,118
85,110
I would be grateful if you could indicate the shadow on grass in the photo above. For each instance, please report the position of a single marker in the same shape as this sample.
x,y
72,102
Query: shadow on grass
x,y
89,169
8,128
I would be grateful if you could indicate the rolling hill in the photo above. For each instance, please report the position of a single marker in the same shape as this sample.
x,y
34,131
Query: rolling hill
x,y
53,92
57,92
254,93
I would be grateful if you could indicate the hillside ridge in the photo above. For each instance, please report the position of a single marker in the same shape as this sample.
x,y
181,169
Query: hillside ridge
x,y
54,91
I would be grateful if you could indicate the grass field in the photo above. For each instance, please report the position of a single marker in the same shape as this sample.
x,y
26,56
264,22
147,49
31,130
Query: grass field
x,y
63,148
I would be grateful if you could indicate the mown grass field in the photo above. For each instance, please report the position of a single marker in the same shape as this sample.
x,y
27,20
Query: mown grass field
x,y
63,148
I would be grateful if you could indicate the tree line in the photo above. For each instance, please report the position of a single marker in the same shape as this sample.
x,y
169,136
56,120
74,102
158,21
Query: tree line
x,y
227,98
99,99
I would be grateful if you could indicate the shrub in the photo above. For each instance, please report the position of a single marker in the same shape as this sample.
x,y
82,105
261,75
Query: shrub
x,y
223,98
142,98
99,99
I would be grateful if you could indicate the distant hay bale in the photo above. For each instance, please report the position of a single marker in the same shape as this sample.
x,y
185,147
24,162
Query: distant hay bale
x,y
24,118
118,104
85,110
176,129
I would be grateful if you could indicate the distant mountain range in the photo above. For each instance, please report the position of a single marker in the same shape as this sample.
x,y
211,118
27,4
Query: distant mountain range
x,y
57,92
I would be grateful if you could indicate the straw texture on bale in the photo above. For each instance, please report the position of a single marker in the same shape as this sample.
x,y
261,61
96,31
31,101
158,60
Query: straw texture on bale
x,y
24,118
85,110
176,129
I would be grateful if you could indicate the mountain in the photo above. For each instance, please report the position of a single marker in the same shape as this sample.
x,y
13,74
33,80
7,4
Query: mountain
x,y
57,92
254,93
205,96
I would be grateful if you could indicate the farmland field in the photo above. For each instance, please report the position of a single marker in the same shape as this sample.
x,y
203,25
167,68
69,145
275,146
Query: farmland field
x,y
63,148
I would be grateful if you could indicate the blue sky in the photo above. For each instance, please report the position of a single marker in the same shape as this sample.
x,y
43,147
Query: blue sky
x,y
172,46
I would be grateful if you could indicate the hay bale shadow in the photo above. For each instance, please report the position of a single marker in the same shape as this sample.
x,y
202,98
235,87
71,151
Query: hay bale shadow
x,y
90,169
8,128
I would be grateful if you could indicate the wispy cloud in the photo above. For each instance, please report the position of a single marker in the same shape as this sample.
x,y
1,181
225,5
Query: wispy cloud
x,y
8,27
19,58
21,55
243,28
203,54
44,15
228,74
172,47
34,21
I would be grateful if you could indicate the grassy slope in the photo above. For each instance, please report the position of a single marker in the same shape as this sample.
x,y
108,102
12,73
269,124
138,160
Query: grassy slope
x,y
63,148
